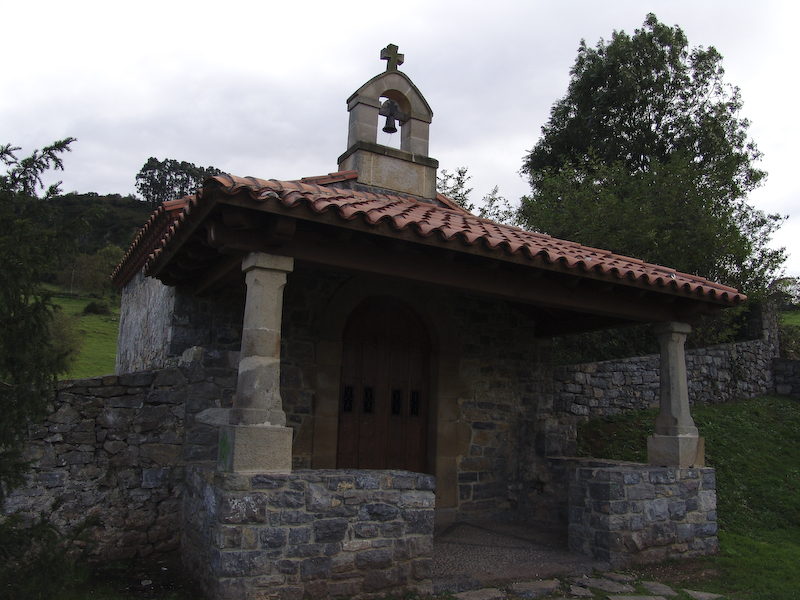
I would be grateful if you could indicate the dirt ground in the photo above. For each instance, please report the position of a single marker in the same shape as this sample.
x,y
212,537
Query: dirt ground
x,y
152,578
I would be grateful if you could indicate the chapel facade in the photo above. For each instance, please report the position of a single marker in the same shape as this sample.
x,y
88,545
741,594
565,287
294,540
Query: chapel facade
x,y
382,334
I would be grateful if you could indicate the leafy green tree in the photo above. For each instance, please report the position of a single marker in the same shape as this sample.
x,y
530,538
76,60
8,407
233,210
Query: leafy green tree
x,y
30,357
159,181
110,219
498,209
647,155
493,206
454,186
91,273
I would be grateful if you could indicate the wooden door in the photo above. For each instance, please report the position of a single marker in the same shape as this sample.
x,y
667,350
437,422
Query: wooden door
x,y
383,404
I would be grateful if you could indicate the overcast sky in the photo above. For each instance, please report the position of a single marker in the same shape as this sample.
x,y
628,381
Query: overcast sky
x,y
259,88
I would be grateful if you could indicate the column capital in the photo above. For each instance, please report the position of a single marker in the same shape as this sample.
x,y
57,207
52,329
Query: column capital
x,y
270,262
672,327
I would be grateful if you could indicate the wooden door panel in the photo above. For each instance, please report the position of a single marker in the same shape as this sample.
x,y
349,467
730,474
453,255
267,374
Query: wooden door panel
x,y
385,363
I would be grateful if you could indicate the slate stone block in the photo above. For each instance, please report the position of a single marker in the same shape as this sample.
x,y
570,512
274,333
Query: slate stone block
x,y
272,537
299,535
262,482
288,567
380,558
295,517
366,529
330,530
304,550
656,510
288,499
378,512
418,521
315,568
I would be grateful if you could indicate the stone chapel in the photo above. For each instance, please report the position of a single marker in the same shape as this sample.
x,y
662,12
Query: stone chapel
x,y
390,346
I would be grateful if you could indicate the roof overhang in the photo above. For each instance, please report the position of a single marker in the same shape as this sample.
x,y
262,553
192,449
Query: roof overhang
x,y
569,287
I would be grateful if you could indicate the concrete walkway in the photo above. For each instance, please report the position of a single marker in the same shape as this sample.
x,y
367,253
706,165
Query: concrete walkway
x,y
492,560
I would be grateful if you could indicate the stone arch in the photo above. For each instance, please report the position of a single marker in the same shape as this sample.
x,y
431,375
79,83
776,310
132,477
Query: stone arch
x,y
365,103
448,437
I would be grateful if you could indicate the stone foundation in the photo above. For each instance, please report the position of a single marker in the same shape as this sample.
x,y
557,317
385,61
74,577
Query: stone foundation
x,y
630,513
310,534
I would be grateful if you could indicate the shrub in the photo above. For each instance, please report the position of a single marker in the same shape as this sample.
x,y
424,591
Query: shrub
x,y
97,308
789,337
37,560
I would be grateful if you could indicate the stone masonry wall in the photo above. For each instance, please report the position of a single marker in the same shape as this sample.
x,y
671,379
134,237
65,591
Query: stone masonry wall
x,y
144,322
306,297
715,374
630,513
787,376
504,372
159,323
506,404
313,534
504,375
116,447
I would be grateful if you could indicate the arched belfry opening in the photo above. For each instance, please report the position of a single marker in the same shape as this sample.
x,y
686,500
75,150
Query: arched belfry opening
x,y
394,97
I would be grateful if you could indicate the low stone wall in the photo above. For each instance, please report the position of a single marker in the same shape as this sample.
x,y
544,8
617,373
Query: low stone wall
x,y
116,447
715,374
630,513
787,376
312,534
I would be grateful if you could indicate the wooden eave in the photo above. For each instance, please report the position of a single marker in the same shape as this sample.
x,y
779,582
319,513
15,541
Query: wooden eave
x,y
577,299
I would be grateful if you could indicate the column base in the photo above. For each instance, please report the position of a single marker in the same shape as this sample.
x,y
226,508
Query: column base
x,y
255,448
676,451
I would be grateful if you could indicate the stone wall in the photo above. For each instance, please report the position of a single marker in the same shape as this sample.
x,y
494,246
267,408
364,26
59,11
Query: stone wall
x,y
787,376
159,323
117,447
505,404
313,534
306,296
715,374
144,322
504,386
630,513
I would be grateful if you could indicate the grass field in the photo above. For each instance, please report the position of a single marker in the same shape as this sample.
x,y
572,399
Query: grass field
x,y
791,318
97,334
755,447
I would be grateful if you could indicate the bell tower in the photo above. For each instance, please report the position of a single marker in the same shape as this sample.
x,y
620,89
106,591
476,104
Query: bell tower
x,y
394,96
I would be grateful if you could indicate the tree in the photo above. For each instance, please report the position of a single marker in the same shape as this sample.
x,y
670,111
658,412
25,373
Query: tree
x,y
647,156
91,273
493,206
454,186
159,181
30,357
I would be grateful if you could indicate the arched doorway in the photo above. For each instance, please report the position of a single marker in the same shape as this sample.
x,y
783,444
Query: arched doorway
x,y
384,394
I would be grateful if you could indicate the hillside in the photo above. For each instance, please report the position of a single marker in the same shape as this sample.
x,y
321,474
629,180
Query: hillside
x,y
755,447
111,219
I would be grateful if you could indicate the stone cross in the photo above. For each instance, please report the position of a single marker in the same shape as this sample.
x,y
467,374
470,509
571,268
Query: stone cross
x,y
393,58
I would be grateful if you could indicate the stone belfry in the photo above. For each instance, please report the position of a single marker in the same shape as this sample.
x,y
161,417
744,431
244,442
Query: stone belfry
x,y
393,95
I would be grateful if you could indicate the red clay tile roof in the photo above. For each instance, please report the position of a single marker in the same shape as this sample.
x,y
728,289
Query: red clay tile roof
x,y
424,219
150,238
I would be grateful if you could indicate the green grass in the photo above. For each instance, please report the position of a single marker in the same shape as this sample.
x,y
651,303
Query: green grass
x,y
791,318
755,447
97,334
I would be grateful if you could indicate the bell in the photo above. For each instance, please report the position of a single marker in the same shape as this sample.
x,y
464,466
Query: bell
x,y
390,127
391,110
